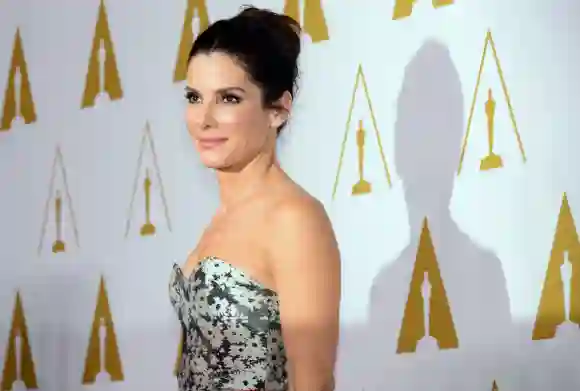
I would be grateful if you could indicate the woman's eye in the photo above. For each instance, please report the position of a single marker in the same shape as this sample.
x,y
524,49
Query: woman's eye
x,y
231,99
192,97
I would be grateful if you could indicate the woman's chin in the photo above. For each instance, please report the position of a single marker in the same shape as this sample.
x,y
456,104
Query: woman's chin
x,y
213,162
213,165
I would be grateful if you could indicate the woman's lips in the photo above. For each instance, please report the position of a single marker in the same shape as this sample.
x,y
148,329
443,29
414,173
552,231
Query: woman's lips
x,y
209,143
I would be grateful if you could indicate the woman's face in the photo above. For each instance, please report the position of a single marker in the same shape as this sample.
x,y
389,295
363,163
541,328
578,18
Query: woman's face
x,y
225,114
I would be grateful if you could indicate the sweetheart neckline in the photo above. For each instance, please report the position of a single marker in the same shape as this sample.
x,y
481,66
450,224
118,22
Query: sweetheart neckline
x,y
212,258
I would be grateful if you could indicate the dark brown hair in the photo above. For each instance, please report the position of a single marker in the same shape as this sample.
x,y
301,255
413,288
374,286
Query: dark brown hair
x,y
265,43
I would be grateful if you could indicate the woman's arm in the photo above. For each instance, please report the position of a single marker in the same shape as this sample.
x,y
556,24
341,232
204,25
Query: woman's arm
x,y
306,267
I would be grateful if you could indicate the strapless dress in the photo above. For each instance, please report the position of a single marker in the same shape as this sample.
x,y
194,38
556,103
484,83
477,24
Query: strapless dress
x,y
232,337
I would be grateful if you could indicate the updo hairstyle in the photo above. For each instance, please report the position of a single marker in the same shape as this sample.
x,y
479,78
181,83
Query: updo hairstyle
x,y
266,44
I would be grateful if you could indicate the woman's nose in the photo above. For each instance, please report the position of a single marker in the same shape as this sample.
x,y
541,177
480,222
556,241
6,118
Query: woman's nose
x,y
208,119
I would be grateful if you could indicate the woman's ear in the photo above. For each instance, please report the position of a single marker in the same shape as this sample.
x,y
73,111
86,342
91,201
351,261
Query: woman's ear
x,y
281,111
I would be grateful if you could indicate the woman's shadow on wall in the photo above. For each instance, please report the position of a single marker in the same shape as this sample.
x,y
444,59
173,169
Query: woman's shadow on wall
x,y
428,137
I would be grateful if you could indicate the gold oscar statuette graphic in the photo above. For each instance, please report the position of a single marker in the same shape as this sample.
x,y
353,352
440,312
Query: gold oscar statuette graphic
x,y
404,8
103,362
314,21
19,372
362,186
491,161
58,246
196,21
103,74
18,102
559,307
148,228
427,315
58,199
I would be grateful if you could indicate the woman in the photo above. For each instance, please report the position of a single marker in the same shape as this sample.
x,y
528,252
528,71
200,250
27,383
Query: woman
x,y
258,298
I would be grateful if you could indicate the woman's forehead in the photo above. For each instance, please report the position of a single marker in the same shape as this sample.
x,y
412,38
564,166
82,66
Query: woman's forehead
x,y
217,71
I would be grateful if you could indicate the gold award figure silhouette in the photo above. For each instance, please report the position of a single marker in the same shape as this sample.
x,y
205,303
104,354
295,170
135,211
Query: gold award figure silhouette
x,y
103,361
18,107
362,186
19,373
443,289
559,310
148,180
102,81
59,223
492,160
195,22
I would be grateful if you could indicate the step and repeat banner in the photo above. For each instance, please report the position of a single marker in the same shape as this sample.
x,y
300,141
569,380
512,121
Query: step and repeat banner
x,y
440,135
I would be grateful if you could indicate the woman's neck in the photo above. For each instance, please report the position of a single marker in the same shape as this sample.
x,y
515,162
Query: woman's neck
x,y
237,185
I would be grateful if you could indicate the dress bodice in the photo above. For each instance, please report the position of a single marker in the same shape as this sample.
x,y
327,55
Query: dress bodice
x,y
231,327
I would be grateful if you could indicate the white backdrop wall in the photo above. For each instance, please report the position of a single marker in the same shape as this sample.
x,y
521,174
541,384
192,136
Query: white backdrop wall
x,y
496,299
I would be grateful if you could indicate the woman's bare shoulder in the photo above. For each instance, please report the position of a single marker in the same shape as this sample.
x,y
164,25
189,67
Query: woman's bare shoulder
x,y
295,204
296,218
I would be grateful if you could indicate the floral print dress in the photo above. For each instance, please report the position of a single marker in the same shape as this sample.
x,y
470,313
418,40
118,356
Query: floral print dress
x,y
231,330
